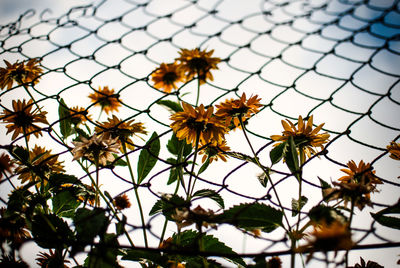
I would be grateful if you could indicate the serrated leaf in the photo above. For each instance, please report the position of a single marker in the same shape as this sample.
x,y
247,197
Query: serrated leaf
x,y
148,157
212,195
65,119
65,203
50,231
157,208
297,205
171,105
278,152
252,215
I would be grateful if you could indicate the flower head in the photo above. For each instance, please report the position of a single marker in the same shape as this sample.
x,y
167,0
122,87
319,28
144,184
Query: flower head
x,y
394,150
51,259
115,128
274,262
20,72
13,228
198,63
121,202
22,120
167,75
197,121
40,166
233,109
214,151
6,165
106,98
79,115
97,148
304,135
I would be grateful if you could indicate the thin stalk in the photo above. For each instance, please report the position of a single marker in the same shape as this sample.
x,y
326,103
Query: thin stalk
x,y
194,163
346,257
136,194
97,199
198,88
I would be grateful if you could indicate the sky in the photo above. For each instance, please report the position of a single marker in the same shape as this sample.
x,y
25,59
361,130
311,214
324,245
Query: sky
x,y
276,75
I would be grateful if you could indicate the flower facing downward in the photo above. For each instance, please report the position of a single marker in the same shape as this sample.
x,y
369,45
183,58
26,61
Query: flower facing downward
x,y
115,128
215,151
6,165
304,135
22,120
97,148
233,109
79,115
20,72
40,166
167,75
394,150
198,63
197,121
106,98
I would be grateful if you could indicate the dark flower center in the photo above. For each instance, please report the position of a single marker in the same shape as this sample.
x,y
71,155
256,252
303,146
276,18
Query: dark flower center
x,y
236,112
196,125
301,140
23,119
170,77
198,64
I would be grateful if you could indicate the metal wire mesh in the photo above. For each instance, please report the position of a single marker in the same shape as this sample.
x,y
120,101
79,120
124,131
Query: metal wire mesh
x,y
337,60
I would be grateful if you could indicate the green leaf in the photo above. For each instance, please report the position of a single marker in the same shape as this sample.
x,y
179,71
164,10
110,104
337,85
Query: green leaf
x,y
119,161
292,158
263,179
204,166
297,205
50,231
212,195
56,180
157,208
105,253
252,215
21,153
388,221
140,255
65,119
324,184
171,105
278,153
65,204
212,244
173,172
148,157
175,146
167,205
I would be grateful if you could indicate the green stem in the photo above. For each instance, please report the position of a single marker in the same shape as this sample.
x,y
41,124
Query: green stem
x,y
350,220
198,89
194,163
136,194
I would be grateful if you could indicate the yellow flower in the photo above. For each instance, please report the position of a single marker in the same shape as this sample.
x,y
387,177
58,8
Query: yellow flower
x,y
106,98
121,202
167,75
20,72
214,151
362,173
198,63
304,135
40,166
98,147
233,109
327,237
197,121
394,150
22,119
115,128
79,115
6,165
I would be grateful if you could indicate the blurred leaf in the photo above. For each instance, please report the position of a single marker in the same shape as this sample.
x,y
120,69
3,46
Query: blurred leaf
x,y
278,152
104,254
120,225
148,157
252,215
50,231
212,195
21,153
65,204
388,221
65,119
140,255
297,205
171,105
327,214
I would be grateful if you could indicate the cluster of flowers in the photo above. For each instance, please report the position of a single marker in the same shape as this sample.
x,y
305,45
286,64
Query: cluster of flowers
x,y
198,125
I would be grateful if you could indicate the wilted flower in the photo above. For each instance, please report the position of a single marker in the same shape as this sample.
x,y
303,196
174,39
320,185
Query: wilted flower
x,y
233,109
201,217
121,202
6,165
40,166
197,121
97,148
304,135
20,72
115,128
167,75
106,98
394,150
198,63
274,262
22,120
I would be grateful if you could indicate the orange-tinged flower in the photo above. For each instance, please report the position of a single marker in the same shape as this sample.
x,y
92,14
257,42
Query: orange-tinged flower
x,y
20,72
98,147
6,165
79,115
40,166
274,262
233,109
121,202
22,120
394,150
214,151
363,173
198,63
167,75
106,98
197,121
304,135
115,128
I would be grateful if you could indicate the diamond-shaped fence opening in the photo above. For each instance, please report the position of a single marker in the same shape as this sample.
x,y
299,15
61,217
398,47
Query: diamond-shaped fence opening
x,y
336,60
